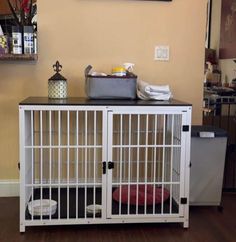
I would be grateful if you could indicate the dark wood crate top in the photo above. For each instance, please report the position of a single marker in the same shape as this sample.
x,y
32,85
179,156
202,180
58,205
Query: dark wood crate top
x,y
99,102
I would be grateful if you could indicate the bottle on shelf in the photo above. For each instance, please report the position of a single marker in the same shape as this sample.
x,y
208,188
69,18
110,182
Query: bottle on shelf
x,y
28,40
16,40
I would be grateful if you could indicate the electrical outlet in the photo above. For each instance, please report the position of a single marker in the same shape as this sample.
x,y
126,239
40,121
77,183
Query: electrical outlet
x,y
162,53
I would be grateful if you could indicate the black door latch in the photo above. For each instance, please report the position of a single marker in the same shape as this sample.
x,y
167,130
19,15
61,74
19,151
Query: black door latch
x,y
111,165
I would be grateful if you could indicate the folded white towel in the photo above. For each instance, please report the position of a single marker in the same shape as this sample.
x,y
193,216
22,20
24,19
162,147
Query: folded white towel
x,y
161,97
156,92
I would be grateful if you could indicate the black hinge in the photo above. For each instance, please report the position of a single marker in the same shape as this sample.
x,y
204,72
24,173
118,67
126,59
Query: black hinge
x,y
18,165
111,165
104,167
183,200
185,128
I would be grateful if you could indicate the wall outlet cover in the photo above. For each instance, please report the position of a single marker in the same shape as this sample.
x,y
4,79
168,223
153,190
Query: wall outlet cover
x,y
162,53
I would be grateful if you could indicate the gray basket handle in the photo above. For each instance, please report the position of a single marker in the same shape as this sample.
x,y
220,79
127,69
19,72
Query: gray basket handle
x,y
87,70
86,73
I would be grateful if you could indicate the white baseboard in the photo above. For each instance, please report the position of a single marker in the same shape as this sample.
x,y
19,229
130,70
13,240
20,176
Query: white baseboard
x,y
9,188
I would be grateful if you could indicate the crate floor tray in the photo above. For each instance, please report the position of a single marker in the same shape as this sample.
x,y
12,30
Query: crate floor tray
x,y
81,205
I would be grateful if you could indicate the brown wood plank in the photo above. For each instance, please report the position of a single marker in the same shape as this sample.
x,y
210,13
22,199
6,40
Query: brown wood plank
x,y
24,57
207,224
4,8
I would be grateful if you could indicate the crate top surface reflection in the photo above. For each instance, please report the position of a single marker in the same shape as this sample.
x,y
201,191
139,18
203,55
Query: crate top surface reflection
x,y
99,102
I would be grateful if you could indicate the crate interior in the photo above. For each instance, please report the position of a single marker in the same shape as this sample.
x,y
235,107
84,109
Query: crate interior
x,y
64,161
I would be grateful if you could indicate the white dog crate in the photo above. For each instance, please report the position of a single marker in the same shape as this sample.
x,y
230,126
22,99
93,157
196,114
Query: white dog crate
x,y
103,161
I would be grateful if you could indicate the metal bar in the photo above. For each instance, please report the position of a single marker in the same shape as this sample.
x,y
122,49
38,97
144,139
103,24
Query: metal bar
x,y
228,118
220,115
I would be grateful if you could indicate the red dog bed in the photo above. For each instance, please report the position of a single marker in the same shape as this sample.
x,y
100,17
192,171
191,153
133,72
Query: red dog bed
x,y
141,194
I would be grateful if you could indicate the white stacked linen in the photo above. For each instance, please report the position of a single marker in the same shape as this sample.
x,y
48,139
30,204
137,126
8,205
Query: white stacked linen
x,y
146,91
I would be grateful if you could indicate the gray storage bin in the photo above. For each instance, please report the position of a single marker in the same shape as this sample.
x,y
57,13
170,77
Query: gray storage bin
x,y
110,87
208,150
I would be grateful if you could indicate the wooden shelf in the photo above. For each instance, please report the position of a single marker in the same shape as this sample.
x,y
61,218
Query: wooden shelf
x,y
23,57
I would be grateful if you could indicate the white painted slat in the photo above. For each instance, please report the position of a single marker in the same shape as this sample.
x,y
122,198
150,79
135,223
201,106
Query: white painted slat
x,y
163,165
85,162
116,120
146,164
41,160
59,165
74,184
171,161
68,164
62,146
94,161
121,161
109,185
77,163
138,161
50,162
129,164
155,163
32,158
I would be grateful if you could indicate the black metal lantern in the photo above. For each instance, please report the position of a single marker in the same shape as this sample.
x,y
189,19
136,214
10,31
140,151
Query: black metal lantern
x,y
57,84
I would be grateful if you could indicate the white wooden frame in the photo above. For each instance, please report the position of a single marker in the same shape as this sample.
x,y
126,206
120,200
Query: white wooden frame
x,y
107,115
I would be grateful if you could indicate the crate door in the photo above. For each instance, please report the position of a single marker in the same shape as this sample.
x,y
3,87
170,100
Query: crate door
x,y
63,152
146,160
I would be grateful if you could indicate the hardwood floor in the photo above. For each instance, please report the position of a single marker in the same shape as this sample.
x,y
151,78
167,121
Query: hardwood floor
x,y
206,225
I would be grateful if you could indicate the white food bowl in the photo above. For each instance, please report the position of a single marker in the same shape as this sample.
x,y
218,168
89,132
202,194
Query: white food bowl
x,y
43,207
91,209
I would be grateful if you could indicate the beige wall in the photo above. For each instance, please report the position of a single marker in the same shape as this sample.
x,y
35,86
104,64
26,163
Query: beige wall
x,y
105,33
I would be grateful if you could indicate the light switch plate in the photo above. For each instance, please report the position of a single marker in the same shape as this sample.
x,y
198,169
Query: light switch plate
x,y
162,53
